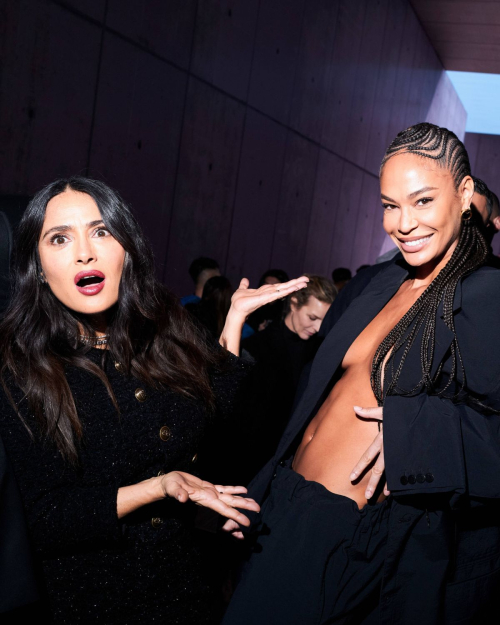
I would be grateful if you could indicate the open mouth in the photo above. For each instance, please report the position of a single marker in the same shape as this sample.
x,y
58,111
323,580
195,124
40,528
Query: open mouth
x,y
414,245
90,282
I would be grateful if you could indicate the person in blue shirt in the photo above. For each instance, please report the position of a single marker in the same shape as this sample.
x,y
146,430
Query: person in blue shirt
x,y
200,270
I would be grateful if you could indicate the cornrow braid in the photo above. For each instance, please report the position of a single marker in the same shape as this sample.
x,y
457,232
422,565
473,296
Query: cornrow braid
x,y
442,145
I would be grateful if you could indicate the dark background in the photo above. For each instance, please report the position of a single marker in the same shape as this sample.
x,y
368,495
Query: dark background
x,y
250,131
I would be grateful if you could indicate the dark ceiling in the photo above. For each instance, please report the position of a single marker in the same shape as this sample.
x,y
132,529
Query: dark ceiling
x,y
465,34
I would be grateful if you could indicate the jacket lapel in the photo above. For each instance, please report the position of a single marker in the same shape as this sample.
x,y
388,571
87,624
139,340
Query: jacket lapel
x,y
331,353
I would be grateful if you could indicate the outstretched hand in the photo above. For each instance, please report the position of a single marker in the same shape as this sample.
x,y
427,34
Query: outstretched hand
x,y
222,499
374,455
245,300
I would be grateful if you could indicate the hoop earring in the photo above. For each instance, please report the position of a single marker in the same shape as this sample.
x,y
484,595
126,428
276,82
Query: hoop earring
x,y
467,214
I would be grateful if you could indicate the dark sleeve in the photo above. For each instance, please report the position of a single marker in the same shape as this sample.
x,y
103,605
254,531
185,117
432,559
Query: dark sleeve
x,y
228,383
18,587
61,510
450,445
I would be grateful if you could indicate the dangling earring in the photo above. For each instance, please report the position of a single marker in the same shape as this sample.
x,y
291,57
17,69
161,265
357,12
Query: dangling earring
x,y
42,279
467,214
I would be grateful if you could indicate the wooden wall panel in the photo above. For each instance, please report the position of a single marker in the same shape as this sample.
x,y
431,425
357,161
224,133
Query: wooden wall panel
x,y
349,203
398,120
324,210
348,41
367,71
386,87
285,97
223,44
294,209
313,67
257,197
367,223
275,57
137,132
164,27
206,181
46,96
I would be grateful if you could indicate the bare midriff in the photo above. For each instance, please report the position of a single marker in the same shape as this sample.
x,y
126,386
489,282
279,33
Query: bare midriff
x,y
336,438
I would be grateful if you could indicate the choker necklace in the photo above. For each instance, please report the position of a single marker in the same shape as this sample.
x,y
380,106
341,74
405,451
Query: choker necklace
x,y
95,341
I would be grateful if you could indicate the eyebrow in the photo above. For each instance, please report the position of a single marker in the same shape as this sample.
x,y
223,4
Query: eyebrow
x,y
411,195
91,224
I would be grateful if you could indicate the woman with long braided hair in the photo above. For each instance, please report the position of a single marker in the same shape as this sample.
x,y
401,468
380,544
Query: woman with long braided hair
x,y
381,503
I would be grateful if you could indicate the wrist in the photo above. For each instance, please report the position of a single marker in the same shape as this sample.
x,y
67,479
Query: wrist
x,y
235,318
154,489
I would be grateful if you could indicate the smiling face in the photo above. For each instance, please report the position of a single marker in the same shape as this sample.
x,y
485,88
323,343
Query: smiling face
x,y
306,320
81,261
422,209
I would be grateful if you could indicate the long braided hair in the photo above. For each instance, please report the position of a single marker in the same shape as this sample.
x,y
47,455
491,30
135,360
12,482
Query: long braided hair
x,y
444,147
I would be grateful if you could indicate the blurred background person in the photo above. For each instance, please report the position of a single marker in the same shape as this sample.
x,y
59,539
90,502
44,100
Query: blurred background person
x,y
272,313
211,310
361,267
281,352
200,270
341,277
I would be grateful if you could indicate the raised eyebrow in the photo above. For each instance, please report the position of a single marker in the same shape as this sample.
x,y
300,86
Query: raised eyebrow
x,y
63,228
422,190
57,229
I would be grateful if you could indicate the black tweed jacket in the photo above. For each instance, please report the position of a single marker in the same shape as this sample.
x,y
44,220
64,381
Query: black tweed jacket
x,y
97,568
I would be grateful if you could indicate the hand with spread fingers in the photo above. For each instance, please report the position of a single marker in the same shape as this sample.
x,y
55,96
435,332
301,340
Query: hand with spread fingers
x,y
221,499
374,455
246,301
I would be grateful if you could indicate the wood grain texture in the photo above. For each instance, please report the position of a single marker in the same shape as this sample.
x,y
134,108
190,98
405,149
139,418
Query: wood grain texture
x,y
313,67
163,27
275,57
137,132
324,211
257,196
246,130
46,95
206,181
224,42
294,207
465,34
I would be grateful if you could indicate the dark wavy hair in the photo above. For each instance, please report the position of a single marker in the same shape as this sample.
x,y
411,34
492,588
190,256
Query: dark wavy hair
x,y
448,152
150,334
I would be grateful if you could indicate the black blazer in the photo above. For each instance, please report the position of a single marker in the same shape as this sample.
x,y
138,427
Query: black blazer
x,y
441,455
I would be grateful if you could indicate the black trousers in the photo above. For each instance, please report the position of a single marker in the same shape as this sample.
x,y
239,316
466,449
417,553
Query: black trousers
x,y
318,559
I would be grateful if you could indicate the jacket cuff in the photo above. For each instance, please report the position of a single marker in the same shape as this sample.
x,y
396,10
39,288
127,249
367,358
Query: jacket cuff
x,y
423,445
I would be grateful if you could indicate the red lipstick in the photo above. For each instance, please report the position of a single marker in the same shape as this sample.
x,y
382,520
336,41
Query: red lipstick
x,y
90,282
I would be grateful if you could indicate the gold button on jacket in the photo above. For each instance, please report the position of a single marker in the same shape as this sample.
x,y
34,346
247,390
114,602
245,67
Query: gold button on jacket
x,y
165,433
194,458
140,394
119,366
156,522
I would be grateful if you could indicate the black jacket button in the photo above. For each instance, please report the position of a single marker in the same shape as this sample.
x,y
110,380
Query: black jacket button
x,y
282,463
412,479
420,478
429,477
404,480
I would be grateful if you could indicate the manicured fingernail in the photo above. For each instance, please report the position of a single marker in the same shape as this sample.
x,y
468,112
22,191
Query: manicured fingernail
x,y
368,494
353,476
357,408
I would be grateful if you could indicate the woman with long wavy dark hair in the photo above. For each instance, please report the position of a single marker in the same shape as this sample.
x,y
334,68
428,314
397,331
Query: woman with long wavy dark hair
x,y
108,390
382,503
